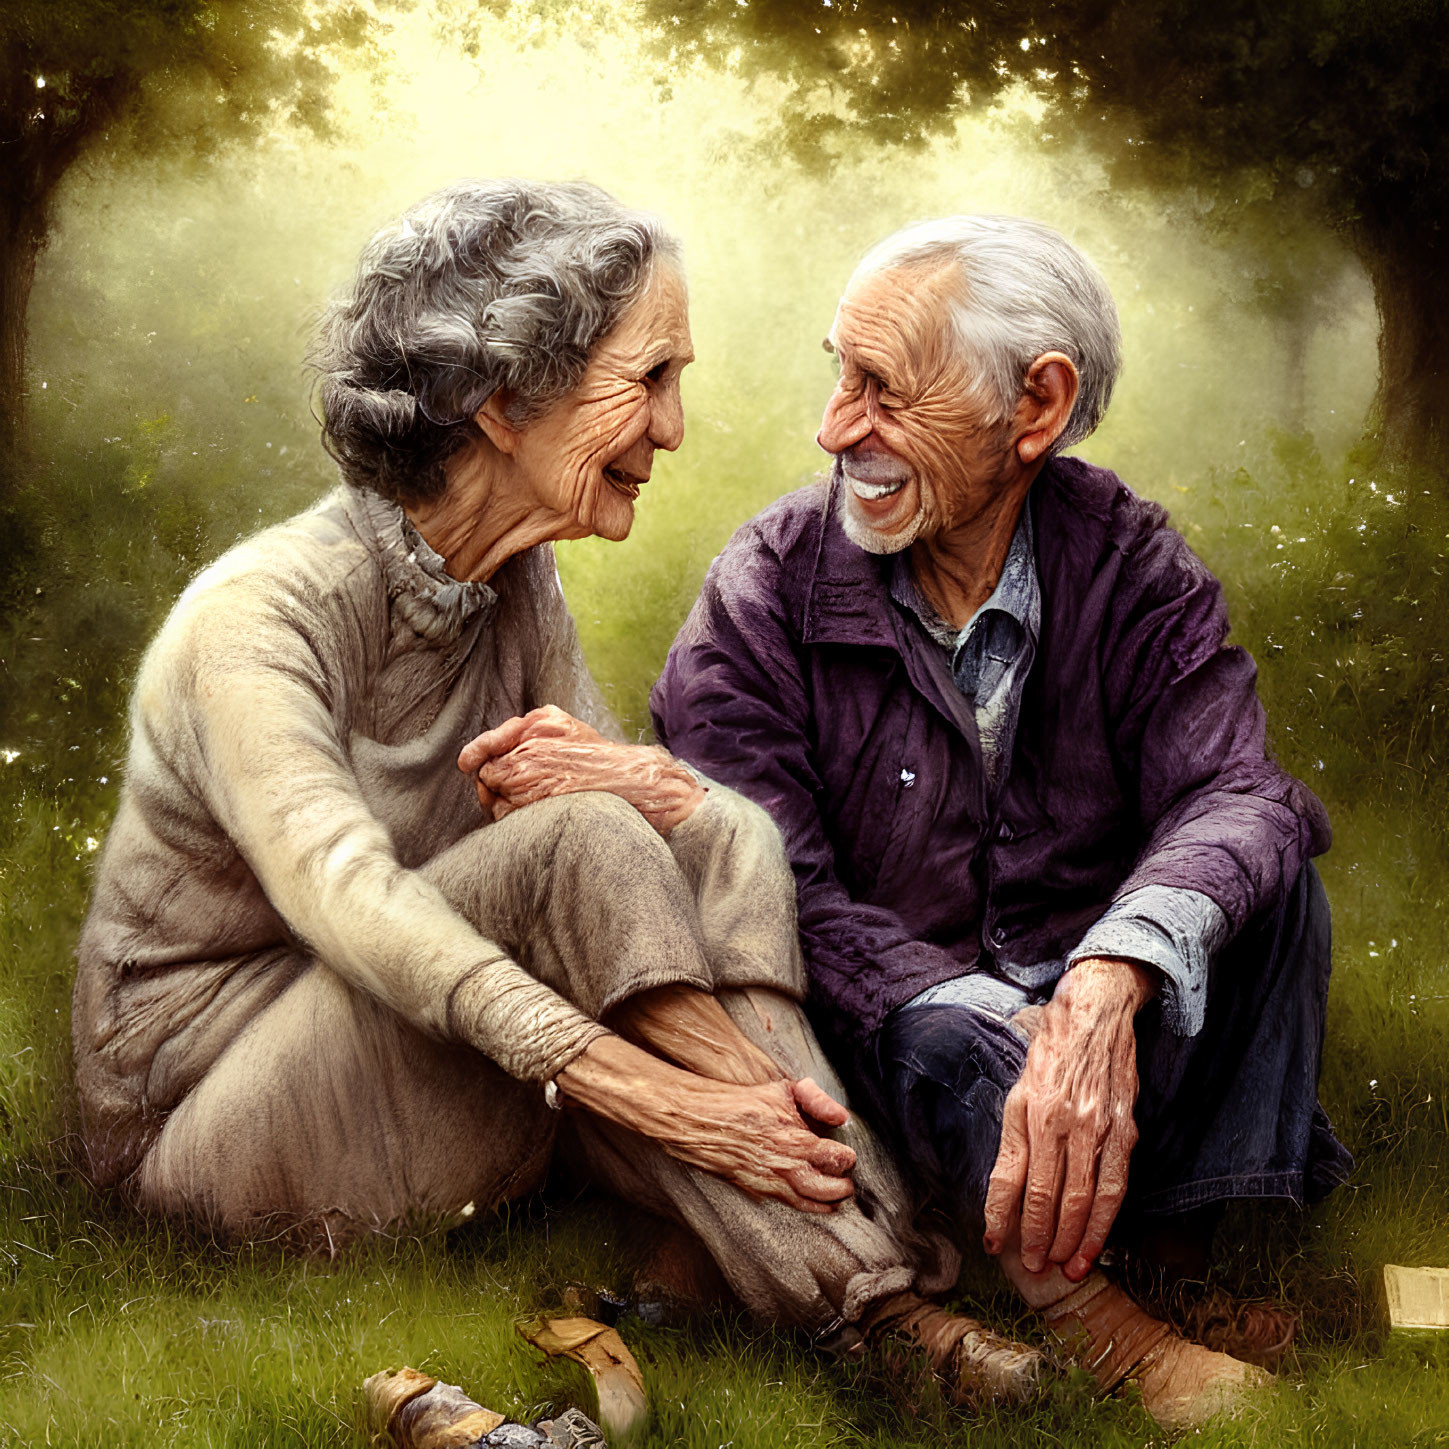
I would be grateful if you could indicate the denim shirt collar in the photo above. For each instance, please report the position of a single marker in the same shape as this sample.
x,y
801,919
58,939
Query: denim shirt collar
x,y
850,594
1016,597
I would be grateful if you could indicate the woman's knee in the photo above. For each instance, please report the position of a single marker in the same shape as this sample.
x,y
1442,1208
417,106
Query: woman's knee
x,y
590,812
599,845
729,827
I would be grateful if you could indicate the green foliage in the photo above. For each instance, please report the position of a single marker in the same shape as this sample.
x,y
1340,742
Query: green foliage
x,y
191,73
1352,99
155,76
1262,110
1337,575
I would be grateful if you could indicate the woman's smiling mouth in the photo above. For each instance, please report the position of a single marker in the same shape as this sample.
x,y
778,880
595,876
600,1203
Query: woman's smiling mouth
x,y
628,484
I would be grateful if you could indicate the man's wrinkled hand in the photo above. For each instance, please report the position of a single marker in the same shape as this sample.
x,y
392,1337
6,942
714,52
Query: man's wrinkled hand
x,y
1067,1130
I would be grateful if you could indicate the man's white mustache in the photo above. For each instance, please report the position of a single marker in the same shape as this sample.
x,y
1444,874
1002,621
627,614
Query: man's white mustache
x,y
875,470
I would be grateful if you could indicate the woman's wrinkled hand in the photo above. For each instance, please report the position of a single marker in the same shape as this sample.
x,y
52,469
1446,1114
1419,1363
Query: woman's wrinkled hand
x,y
755,1136
547,752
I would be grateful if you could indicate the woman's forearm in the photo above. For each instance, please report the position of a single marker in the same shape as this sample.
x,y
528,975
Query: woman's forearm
x,y
622,1083
750,1135
688,1027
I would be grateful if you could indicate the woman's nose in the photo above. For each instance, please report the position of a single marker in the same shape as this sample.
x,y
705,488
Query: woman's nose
x,y
846,421
666,418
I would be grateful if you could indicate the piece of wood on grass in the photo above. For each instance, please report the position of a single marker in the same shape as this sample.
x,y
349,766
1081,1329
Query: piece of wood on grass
x,y
1418,1297
612,1379
417,1412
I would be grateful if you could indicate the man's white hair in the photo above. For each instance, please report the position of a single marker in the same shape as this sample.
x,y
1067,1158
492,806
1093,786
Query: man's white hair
x,y
1026,291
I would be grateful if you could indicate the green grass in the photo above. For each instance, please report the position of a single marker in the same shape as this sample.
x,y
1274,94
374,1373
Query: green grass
x,y
116,1331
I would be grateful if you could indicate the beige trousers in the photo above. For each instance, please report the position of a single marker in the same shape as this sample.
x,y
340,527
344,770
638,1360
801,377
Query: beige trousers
x,y
330,1113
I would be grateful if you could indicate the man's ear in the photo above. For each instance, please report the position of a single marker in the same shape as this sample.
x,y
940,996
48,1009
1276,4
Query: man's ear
x,y
492,418
1047,400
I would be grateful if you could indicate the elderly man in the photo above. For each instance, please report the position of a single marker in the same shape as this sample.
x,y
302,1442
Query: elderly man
x,y
1055,900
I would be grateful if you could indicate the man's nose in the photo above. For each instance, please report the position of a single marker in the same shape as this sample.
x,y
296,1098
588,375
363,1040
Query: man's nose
x,y
666,418
846,421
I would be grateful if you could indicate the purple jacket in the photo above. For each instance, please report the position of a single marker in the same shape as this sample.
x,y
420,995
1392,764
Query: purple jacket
x,y
1139,755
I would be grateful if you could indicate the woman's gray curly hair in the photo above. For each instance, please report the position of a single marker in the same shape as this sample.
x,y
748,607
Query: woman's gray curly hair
x,y
482,286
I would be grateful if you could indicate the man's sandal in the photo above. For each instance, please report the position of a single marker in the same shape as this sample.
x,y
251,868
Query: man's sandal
x,y
1117,1341
975,1365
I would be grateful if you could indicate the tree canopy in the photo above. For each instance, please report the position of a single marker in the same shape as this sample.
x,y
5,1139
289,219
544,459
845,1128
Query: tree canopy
x,y
82,74
1342,105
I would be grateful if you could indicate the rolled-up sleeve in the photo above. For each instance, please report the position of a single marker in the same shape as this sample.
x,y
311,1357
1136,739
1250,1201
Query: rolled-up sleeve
x,y
1174,931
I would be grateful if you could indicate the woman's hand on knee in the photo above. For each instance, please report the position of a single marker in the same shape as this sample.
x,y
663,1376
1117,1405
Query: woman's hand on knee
x,y
753,1135
547,753
757,1138
548,722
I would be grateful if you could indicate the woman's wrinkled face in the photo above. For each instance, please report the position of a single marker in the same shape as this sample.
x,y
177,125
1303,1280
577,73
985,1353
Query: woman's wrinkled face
x,y
590,454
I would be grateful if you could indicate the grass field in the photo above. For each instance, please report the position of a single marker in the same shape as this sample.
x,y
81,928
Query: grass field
x,y
115,1332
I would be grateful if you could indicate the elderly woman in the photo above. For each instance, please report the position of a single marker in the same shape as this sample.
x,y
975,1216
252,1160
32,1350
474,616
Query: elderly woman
x,y
317,991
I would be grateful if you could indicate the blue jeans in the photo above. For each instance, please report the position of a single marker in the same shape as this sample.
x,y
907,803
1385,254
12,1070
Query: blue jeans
x,y
1232,1112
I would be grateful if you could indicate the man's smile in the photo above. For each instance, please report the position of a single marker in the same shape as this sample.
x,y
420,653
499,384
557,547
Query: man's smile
x,y
873,492
873,476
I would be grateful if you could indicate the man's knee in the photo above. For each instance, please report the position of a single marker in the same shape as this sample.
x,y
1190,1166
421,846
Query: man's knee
x,y
945,1072
951,1046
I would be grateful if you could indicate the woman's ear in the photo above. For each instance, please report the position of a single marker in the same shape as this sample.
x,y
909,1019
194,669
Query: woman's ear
x,y
1046,404
493,419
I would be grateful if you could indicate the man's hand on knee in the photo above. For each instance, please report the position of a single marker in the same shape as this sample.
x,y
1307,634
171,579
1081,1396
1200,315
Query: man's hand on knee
x,y
1067,1130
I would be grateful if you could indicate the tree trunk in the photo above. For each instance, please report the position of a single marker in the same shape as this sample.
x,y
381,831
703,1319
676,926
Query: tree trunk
x,y
1411,408
1295,329
21,234
41,134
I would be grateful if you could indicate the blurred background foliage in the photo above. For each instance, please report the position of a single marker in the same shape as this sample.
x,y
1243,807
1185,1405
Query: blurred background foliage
x,y
166,415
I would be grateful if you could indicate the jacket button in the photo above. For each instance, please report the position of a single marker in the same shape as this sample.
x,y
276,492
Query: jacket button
x,y
1004,831
908,778
998,936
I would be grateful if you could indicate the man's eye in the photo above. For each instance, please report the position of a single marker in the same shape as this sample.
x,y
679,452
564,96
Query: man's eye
x,y
658,371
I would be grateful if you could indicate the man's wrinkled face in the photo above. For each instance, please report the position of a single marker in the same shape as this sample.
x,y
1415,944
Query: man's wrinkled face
x,y
591,453
914,452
